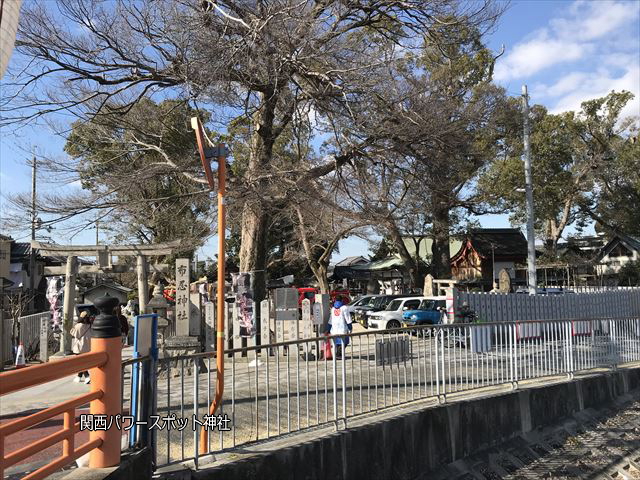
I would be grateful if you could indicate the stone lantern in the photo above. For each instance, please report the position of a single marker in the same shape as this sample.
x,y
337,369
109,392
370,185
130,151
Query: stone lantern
x,y
158,304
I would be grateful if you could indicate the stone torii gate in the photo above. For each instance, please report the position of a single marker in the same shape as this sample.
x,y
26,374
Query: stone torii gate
x,y
103,254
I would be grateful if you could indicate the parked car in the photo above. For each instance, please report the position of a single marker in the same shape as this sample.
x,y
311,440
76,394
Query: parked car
x,y
361,302
375,304
391,316
431,311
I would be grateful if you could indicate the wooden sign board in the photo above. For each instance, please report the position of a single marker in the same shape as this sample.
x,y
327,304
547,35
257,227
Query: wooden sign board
x,y
44,339
286,300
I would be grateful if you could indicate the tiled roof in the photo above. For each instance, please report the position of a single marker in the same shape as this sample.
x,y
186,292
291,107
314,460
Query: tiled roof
x,y
346,262
20,250
502,241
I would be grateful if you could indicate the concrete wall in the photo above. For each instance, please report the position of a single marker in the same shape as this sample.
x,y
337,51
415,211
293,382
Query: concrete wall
x,y
133,466
413,444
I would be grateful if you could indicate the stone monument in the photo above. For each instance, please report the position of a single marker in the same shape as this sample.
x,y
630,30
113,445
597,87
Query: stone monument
x,y
427,290
504,281
182,343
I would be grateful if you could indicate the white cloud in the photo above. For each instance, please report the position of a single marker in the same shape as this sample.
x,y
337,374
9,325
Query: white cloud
x,y
598,84
575,36
563,86
594,19
537,54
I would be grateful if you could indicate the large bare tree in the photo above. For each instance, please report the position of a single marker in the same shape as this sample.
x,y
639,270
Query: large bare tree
x,y
436,124
262,61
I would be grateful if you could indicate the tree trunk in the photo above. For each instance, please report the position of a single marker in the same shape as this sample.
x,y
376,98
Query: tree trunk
x,y
323,280
407,261
440,256
553,235
255,215
253,246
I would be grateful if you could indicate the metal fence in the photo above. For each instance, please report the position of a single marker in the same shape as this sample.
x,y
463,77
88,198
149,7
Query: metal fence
x,y
30,326
505,307
589,288
6,352
285,387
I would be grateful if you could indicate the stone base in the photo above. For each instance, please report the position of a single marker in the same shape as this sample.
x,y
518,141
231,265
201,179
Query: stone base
x,y
176,347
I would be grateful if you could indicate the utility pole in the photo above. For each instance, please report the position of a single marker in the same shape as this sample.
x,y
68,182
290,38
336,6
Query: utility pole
x,y
32,251
528,186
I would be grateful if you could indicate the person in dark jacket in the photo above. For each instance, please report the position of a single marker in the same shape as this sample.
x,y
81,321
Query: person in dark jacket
x,y
124,323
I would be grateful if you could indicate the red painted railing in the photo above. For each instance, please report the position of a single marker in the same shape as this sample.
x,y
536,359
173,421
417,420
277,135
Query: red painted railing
x,y
104,362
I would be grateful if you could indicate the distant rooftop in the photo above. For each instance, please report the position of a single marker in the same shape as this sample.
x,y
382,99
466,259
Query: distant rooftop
x,y
349,261
503,241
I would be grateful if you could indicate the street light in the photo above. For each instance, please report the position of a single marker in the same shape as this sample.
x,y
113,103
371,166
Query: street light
x,y
206,156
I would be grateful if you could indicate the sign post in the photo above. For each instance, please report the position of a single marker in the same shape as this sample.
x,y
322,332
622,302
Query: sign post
x,y
44,339
183,310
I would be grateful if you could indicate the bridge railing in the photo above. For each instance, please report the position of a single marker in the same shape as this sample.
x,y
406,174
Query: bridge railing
x,y
275,389
104,363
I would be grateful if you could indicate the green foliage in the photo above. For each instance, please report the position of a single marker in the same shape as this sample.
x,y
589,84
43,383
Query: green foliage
x,y
618,196
383,249
580,164
629,274
553,170
141,162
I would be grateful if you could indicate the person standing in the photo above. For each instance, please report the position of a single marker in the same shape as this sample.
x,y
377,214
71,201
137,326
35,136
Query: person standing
x,y
124,324
81,342
340,324
465,314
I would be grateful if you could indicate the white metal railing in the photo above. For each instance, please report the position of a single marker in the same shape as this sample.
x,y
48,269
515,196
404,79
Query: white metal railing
x,y
284,387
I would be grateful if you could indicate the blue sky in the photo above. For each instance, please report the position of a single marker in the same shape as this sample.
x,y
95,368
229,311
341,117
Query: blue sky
x,y
565,51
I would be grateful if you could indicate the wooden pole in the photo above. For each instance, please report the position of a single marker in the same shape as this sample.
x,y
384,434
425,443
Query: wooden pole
x,y
220,313
204,437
